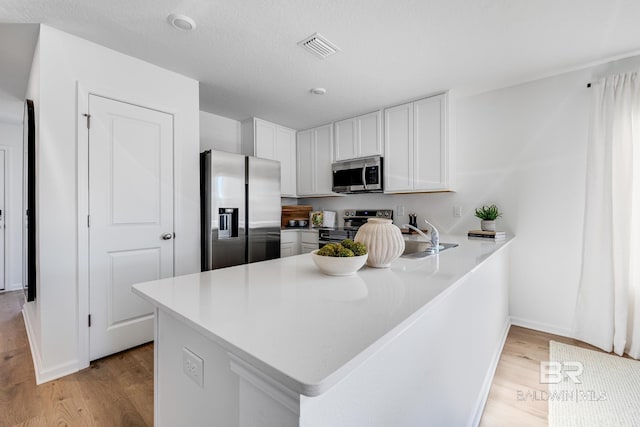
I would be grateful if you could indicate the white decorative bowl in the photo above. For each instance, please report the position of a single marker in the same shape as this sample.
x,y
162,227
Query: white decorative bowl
x,y
338,266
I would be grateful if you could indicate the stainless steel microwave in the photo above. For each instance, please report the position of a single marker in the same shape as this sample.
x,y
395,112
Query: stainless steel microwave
x,y
358,176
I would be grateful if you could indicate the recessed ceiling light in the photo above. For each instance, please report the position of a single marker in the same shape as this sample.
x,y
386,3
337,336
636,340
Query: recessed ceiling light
x,y
318,91
181,22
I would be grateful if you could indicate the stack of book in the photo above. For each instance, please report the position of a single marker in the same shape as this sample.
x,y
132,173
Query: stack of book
x,y
492,235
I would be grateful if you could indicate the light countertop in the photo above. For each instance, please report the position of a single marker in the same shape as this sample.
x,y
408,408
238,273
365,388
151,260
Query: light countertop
x,y
303,328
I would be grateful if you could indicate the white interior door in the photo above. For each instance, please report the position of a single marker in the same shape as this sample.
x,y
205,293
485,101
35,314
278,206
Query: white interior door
x,y
3,210
131,219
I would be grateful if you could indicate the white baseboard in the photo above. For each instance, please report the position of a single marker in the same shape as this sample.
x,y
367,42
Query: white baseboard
x,y
542,327
14,287
488,379
49,374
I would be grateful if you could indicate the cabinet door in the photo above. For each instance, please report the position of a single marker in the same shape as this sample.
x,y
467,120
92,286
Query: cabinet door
x,y
265,140
323,151
369,135
345,139
310,237
286,153
429,154
398,148
286,249
305,163
305,248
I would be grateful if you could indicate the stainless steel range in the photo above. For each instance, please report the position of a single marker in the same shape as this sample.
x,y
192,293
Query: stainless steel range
x,y
353,219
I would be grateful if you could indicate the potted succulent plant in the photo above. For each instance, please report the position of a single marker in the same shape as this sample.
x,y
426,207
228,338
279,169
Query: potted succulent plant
x,y
488,216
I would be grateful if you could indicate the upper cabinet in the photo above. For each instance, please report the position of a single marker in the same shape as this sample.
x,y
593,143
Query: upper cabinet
x,y
417,149
286,153
358,137
271,141
315,153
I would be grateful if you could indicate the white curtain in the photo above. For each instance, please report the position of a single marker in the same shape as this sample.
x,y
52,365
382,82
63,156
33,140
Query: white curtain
x,y
608,305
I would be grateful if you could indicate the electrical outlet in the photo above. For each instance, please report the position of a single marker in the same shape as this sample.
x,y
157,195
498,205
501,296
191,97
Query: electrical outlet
x,y
457,211
400,210
193,366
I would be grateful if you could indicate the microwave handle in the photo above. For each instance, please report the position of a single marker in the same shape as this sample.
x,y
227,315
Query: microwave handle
x,y
364,176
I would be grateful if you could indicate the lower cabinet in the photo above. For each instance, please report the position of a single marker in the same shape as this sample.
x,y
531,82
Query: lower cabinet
x,y
296,242
289,243
287,249
308,241
306,248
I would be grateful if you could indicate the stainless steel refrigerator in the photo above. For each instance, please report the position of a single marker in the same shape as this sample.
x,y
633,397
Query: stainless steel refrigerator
x,y
240,209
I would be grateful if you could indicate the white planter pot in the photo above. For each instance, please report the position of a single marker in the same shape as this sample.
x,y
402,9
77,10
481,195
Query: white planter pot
x,y
488,225
383,240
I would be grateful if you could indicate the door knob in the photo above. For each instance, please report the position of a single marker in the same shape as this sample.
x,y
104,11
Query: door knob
x,y
167,236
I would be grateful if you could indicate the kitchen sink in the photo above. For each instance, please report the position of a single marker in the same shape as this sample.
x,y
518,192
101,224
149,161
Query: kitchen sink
x,y
421,249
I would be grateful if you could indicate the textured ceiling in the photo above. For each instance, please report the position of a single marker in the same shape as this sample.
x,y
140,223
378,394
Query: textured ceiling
x,y
245,55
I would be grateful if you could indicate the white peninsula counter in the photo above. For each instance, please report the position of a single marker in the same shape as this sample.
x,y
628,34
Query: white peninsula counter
x,y
282,344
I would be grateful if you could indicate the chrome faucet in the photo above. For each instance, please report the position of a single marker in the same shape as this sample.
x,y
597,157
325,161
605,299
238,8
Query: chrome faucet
x,y
417,230
435,236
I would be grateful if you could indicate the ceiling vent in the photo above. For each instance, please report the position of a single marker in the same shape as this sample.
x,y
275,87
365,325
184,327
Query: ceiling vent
x,y
319,46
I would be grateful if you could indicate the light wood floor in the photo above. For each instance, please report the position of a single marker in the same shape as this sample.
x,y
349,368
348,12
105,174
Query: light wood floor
x,y
114,391
118,390
518,376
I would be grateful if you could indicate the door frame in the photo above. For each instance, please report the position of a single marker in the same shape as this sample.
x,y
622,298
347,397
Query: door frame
x,y
7,193
83,91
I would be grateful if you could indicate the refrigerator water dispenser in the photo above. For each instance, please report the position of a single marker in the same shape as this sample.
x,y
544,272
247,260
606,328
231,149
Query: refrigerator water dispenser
x,y
227,223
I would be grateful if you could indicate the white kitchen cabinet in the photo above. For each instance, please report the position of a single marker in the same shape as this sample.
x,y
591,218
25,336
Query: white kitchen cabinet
x,y
308,241
306,248
417,154
289,243
287,249
358,137
398,141
268,140
314,157
305,162
344,142
264,139
286,152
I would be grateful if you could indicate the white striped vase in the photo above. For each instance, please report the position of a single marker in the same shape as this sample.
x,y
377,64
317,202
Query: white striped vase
x,y
383,240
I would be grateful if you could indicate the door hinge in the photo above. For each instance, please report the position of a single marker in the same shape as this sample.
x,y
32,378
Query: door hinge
x,y
88,220
89,320
88,116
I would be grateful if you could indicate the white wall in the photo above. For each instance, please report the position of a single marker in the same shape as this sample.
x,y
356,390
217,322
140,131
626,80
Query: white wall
x,y
31,311
523,148
11,111
65,60
11,141
219,133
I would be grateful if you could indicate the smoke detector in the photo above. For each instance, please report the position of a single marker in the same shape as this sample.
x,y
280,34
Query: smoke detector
x,y
318,45
181,22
